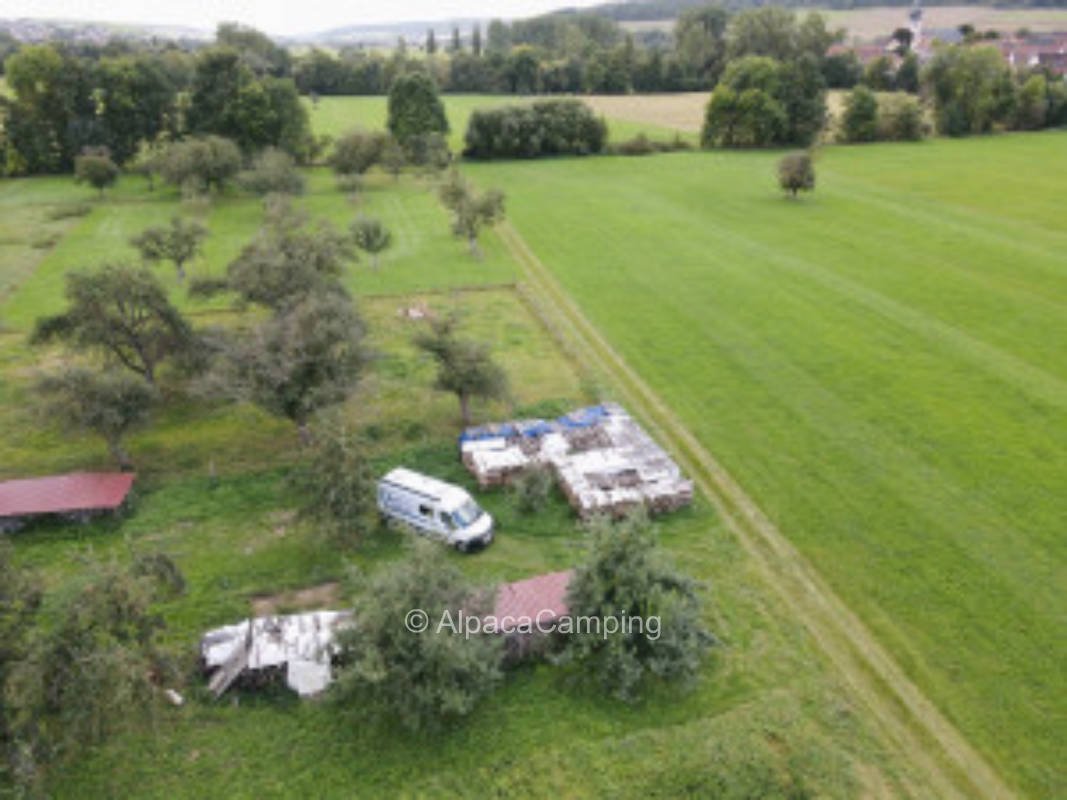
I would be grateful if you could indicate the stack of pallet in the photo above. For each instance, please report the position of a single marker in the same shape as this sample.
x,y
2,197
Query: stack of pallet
x,y
605,462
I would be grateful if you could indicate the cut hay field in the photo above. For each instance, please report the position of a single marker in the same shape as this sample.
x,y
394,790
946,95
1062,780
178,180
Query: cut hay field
x,y
882,366
626,116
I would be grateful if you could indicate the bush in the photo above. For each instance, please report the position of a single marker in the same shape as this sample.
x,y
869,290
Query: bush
x,y
273,171
547,128
641,145
95,167
357,151
200,163
900,118
859,123
532,487
796,173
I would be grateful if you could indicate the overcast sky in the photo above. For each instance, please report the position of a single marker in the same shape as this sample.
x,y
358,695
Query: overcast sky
x,y
276,16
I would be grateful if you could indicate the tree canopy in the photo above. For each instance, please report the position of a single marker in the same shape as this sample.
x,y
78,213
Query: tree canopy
x,y
96,168
302,359
371,236
178,243
414,107
108,404
421,679
288,259
123,314
464,367
796,173
626,574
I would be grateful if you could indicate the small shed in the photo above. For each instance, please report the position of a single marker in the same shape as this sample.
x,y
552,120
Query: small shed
x,y
527,611
78,496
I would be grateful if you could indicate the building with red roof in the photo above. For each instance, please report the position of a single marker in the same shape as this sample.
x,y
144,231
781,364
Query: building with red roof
x,y
542,598
526,611
79,495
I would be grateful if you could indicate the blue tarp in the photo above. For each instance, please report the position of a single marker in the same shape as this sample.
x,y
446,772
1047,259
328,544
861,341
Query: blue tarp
x,y
580,418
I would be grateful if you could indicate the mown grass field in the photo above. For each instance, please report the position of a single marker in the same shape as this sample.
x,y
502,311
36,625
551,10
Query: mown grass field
x,y
882,365
337,115
765,702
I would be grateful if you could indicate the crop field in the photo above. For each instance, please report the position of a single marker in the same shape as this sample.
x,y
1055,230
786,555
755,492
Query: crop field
x,y
882,366
626,116
239,544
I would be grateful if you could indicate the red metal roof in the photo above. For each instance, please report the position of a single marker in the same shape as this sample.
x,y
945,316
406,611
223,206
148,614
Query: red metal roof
x,y
541,599
79,491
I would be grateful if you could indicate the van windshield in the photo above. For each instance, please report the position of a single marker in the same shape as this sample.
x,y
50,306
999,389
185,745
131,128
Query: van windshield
x,y
466,514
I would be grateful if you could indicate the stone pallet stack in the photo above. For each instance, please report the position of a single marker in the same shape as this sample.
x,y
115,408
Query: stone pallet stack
x,y
604,461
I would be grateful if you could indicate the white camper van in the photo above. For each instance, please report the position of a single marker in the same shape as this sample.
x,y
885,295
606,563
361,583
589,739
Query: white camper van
x,y
434,508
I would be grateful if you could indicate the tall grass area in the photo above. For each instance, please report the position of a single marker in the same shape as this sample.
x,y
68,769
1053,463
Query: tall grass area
x,y
882,365
336,116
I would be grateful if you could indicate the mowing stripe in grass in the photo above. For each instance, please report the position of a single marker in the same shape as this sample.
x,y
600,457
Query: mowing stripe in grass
x,y
905,714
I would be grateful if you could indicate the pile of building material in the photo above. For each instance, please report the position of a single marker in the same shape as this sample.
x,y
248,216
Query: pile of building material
x,y
604,460
300,646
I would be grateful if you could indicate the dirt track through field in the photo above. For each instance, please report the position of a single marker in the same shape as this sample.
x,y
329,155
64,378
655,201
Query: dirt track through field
x,y
925,738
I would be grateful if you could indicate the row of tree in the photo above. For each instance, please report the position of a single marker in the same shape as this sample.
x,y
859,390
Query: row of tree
x,y
975,91
66,101
578,53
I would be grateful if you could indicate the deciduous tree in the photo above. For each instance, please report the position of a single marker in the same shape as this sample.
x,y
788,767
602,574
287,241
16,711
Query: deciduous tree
x,y
859,123
121,313
273,171
415,109
95,167
417,679
371,236
200,163
94,670
288,259
305,358
470,209
626,574
108,404
178,243
335,482
464,367
796,172
357,151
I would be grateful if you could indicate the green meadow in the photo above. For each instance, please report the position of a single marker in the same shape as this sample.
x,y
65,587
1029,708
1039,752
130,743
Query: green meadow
x,y
882,366
213,492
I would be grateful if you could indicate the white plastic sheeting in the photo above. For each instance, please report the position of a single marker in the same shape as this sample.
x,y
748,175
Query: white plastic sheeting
x,y
303,644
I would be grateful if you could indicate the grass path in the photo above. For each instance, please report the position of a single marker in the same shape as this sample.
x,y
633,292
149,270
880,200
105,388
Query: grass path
x,y
902,710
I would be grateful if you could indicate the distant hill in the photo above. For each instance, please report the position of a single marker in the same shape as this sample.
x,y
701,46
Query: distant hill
x,y
53,30
650,10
